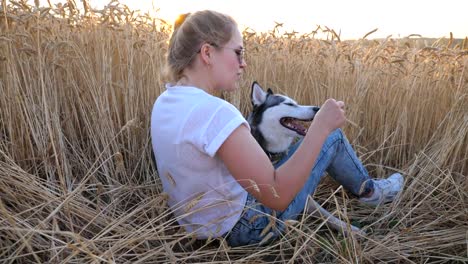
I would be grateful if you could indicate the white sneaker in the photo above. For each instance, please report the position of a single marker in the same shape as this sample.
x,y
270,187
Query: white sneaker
x,y
385,190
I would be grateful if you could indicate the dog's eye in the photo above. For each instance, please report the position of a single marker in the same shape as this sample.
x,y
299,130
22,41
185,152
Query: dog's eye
x,y
290,104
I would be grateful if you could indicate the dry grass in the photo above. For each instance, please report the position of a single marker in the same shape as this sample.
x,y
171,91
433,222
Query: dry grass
x,y
77,181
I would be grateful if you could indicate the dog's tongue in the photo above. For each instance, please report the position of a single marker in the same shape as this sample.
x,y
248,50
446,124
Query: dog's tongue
x,y
299,128
295,125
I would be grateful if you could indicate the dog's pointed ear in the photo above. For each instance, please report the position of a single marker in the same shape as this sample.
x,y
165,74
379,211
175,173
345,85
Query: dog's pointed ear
x,y
258,96
269,91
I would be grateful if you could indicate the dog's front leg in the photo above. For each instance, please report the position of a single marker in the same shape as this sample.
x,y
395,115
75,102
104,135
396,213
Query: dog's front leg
x,y
318,211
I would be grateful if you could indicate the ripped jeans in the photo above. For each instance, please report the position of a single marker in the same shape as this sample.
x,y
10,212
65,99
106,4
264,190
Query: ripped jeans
x,y
336,157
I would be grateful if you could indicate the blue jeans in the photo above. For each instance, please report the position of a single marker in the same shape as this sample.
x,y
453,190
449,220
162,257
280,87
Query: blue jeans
x,y
336,157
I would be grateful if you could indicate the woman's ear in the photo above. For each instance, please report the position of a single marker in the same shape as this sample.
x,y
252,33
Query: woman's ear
x,y
206,53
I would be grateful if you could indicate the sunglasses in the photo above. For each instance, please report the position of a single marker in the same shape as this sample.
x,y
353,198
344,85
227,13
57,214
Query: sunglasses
x,y
240,52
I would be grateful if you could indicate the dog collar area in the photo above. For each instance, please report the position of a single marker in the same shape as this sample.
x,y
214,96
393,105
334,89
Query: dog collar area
x,y
275,157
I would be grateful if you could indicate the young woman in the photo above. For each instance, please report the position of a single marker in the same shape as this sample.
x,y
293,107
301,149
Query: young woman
x,y
217,176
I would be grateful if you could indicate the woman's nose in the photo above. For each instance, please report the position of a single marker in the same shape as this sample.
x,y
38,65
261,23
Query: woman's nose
x,y
243,64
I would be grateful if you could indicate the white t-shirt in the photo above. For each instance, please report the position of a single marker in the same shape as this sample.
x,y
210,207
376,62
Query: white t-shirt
x,y
188,126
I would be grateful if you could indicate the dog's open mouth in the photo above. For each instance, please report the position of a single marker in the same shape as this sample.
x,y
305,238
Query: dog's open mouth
x,y
300,126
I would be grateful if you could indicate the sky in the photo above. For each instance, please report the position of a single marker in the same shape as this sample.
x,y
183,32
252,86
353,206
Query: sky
x,y
350,19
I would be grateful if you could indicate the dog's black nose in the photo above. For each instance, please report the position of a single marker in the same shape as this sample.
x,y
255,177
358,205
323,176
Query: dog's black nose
x,y
316,108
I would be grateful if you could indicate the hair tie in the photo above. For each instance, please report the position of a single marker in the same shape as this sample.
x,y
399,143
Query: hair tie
x,y
180,20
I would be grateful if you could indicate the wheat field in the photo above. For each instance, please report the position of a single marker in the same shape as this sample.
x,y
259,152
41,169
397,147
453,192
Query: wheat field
x,y
77,180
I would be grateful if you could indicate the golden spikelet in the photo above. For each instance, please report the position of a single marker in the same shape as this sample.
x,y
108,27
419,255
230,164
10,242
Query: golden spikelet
x,y
45,11
129,124
161,199
4,6
266,238
170,179
119,163
291,222
219,219
86,6
194,201
368,33
254,185
270,225
161,202
255,217
265,230
397,61
275,193
450,40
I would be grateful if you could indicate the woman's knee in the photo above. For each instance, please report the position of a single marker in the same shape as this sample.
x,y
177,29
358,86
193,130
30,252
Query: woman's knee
x,y
337,133
335,136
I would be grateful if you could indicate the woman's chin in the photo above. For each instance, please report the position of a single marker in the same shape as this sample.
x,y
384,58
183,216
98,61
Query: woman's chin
x,y
232,87
235,87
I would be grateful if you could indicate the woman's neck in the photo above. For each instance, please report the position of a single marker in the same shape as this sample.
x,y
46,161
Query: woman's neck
x,y
195,80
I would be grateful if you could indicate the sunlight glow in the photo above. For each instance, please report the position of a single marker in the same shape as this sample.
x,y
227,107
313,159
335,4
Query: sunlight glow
x,y
351,19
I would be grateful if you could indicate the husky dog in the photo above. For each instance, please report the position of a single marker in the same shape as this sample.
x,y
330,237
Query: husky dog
x,y
275,122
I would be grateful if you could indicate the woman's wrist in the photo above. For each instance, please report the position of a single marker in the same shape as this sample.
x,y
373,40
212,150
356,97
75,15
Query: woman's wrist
x,y
317,129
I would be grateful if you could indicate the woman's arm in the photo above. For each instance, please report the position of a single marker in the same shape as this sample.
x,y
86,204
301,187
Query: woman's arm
x,y
250,166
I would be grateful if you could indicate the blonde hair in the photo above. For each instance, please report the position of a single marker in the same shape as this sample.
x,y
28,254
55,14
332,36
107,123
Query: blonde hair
x,y
190,32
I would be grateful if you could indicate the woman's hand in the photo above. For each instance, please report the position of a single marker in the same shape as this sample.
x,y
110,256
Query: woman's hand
x,y
331,115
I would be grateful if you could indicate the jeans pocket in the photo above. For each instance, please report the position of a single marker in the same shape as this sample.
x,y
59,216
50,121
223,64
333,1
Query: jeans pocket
x,y
248,230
